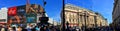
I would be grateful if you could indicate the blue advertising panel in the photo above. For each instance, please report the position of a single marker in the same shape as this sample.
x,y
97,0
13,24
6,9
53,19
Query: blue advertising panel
x,y
31,18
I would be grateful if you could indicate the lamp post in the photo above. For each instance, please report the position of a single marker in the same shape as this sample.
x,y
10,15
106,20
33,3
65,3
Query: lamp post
x,y
63,14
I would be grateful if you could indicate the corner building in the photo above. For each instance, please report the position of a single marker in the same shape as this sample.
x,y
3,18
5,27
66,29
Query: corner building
x,y
81,17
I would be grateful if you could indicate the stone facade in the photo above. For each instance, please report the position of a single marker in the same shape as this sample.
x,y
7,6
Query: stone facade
x,y
78,16
116,14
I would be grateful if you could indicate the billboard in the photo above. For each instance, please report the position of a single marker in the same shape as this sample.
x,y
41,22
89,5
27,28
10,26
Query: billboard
x,y
21,14
17,15
21,10
12,11
3,15
31,18
32,12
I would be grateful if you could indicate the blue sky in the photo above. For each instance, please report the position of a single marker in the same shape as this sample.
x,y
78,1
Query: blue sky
x,y
54,7
105,7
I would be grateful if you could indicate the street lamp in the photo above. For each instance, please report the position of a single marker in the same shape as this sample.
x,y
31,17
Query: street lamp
x,y
63,29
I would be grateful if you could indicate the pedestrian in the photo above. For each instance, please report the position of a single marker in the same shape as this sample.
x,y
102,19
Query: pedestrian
x,y
10,29
37,28
24,29
47,29
2,29
14,29
33,29
42,29
29,27
19,28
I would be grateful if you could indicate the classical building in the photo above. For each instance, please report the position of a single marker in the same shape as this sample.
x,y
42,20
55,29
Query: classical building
x,y
116,14
81,17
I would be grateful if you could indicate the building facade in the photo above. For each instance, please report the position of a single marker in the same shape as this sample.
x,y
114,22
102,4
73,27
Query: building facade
x,y
3,15
81,17
115,14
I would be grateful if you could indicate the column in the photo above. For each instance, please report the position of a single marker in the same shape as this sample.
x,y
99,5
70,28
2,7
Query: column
x,y
95,21
87,21
81,21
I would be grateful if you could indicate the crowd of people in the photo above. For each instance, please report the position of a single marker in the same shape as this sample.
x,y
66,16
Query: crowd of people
x,y
73,29
29,28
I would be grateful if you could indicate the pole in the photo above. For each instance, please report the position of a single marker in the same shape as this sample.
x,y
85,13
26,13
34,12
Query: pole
x,y
53,22
63,29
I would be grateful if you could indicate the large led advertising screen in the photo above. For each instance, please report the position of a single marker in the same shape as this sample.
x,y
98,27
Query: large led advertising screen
x,y
16,15
23,14
3,15
31,18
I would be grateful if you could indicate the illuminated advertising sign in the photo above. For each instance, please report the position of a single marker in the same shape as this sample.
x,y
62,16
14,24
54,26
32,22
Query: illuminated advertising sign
x,y
31,14
21,14
35,9
3,15
12,11
21,10
31,18
18,15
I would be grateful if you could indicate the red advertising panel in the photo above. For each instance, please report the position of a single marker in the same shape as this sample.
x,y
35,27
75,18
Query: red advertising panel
x,y
16,15
12,11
